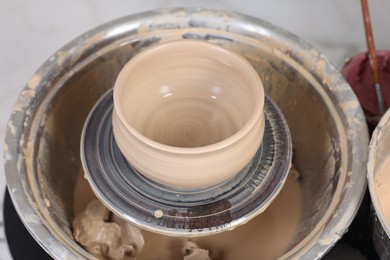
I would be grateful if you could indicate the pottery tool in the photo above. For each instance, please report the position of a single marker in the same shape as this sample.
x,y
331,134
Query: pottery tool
x,y
372,55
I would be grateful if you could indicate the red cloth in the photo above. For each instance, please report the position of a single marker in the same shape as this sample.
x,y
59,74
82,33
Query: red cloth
x,y
357,72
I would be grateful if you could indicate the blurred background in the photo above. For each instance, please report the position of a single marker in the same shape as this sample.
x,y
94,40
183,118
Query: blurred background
x,y
33,30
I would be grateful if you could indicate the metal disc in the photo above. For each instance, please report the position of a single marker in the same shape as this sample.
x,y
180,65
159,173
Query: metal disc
x,y
183,212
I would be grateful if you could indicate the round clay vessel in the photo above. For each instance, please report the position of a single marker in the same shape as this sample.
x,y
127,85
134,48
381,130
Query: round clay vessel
x,y
188,114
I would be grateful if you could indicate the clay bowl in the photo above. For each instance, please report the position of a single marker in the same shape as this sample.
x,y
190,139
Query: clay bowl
x,y
188,114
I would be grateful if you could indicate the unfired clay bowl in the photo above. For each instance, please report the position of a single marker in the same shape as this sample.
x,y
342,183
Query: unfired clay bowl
x,y
188,114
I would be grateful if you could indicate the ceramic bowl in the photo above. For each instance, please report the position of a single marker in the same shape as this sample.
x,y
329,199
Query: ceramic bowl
x,y
188,114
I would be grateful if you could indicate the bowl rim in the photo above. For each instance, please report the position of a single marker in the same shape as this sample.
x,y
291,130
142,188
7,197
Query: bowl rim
x,y
254,120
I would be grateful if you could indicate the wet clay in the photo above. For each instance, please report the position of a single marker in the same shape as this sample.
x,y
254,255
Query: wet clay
x,y
267,236
382,186
105,235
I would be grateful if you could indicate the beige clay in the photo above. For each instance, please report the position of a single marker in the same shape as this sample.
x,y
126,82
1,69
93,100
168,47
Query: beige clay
x,y
382,185
105,235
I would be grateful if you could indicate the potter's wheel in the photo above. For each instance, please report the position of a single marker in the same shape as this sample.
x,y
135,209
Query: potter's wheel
x,y
195,212
42,141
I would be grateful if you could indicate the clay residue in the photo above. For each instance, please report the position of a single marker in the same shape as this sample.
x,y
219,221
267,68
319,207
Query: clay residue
x,y
34,81
105,235
6,152
143,28
11,127
192,251
61,56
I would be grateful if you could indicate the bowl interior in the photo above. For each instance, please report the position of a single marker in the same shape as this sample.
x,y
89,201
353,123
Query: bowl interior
x,y
187,93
